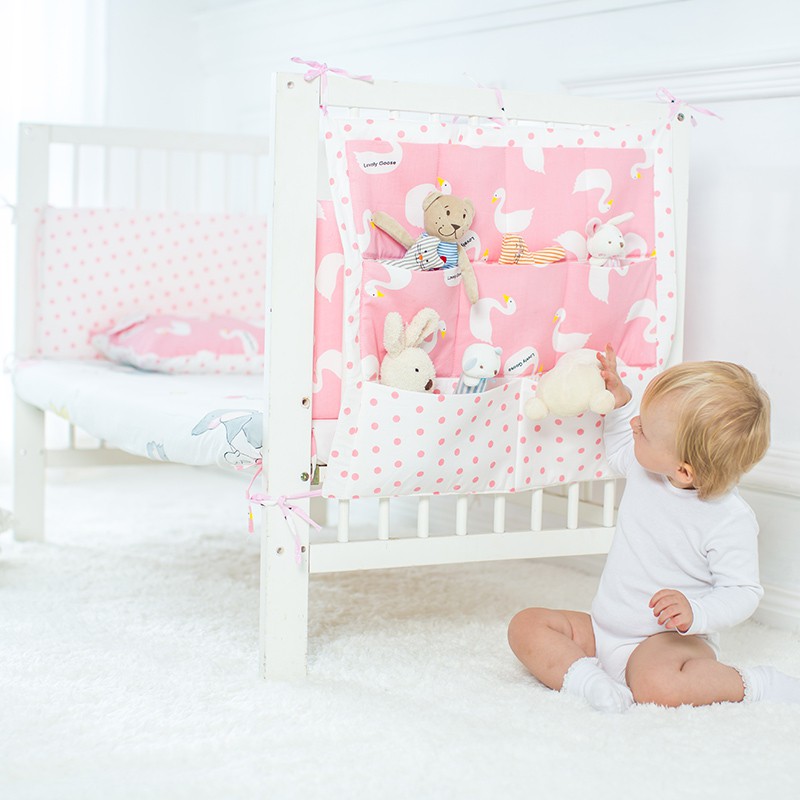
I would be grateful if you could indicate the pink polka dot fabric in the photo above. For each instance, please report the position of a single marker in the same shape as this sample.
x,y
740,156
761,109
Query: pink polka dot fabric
x,y
98,267
400,443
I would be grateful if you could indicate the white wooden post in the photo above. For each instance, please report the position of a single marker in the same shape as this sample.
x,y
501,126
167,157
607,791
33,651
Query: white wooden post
x,y
287,450
29,445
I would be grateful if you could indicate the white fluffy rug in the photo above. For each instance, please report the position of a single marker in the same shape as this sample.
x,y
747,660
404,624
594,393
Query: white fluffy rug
x,y
128,651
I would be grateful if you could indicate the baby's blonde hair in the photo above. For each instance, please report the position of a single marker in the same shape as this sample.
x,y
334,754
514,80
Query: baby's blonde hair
x,y
722,422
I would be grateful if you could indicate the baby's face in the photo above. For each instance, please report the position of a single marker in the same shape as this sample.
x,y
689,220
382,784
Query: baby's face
x,y
654,440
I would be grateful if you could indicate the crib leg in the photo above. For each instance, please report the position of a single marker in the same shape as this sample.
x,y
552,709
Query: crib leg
x,y
283,639
29,471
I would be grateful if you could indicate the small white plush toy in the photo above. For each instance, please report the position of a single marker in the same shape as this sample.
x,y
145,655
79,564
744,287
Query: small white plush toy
x,y
573,386
406,365
604,240
479,363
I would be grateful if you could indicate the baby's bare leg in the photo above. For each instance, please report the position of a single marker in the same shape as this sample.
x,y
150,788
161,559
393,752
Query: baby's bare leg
x,y
672,670
548,642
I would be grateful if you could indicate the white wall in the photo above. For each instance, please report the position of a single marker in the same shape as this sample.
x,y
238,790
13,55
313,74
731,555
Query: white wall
x,y
205,64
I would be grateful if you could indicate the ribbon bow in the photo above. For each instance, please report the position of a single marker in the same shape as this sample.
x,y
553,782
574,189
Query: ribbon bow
x,y
500,121
321,71
667,97
289,511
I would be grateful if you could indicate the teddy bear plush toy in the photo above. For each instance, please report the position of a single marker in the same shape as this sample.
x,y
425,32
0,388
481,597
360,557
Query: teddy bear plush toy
x,y
447,218
406,365
573,386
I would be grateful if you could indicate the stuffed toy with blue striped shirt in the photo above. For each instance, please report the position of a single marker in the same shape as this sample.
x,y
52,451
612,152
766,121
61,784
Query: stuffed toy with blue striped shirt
x,y
447,219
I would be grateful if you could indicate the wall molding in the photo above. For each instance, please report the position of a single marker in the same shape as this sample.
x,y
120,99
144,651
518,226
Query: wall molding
x,y
779,608
778,472
757,81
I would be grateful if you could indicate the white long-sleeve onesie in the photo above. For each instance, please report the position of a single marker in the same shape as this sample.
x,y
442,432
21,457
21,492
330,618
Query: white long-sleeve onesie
x,y
668,538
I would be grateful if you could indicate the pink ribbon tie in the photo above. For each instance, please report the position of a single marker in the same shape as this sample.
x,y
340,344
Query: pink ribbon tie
x,y
286,507
667,97
499,121
321,70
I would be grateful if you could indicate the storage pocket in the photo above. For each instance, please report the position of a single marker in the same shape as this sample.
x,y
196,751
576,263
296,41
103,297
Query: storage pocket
x,y
559,450
396,442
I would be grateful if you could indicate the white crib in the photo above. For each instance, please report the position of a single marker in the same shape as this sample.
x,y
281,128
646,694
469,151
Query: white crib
x,y
546,521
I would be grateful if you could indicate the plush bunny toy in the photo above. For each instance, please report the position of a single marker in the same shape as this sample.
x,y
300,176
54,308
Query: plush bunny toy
x,y
406,365
604,240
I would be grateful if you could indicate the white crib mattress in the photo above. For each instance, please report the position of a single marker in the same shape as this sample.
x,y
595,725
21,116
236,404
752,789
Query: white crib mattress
x,y
189,419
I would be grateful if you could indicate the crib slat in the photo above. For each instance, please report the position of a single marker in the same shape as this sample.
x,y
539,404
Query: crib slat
x,y
137,157
423,517
383,518
609,500
573,501
198,180
461,515
537,507
499,520
167,181
76,174
106,176
227,182
343,526
254,198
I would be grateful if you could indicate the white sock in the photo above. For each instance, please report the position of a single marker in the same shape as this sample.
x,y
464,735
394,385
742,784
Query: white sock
x,y
586,679
770,684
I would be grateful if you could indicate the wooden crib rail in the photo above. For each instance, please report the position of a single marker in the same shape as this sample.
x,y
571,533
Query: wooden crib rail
x,y
574,520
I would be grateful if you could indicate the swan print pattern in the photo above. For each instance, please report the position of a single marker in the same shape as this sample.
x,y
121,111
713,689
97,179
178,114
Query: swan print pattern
x,y
548,309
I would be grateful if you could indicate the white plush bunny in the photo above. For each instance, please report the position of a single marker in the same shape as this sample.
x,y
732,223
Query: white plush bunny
x,y
605,240
406,365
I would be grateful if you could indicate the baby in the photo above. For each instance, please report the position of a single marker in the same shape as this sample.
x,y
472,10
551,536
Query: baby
x,y
684,561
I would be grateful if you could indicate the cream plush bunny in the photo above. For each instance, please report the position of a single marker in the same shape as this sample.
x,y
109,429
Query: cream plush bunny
x,y
406,365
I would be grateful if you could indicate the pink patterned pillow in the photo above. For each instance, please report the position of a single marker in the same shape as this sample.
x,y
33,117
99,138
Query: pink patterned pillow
x,y
168,343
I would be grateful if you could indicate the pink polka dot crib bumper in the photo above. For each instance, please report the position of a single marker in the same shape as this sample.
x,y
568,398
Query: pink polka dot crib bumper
x,y
539,184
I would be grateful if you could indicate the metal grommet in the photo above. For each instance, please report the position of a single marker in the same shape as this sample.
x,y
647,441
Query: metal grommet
x,y
303,549
681,116
279,551
290,85
306,401
304,476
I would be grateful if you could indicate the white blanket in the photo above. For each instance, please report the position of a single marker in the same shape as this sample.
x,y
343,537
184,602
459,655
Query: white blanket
x,y
188,419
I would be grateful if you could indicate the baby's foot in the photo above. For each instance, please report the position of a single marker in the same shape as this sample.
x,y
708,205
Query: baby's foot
x,y
770,684
586,678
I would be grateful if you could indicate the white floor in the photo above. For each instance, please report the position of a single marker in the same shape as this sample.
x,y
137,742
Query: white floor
x,y
128,663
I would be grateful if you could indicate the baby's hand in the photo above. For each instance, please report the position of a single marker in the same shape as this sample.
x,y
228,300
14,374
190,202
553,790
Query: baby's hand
x,y
672,609
614,384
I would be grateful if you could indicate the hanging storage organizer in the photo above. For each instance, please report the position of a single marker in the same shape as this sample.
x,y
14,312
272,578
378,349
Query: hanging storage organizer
x,y
542,182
